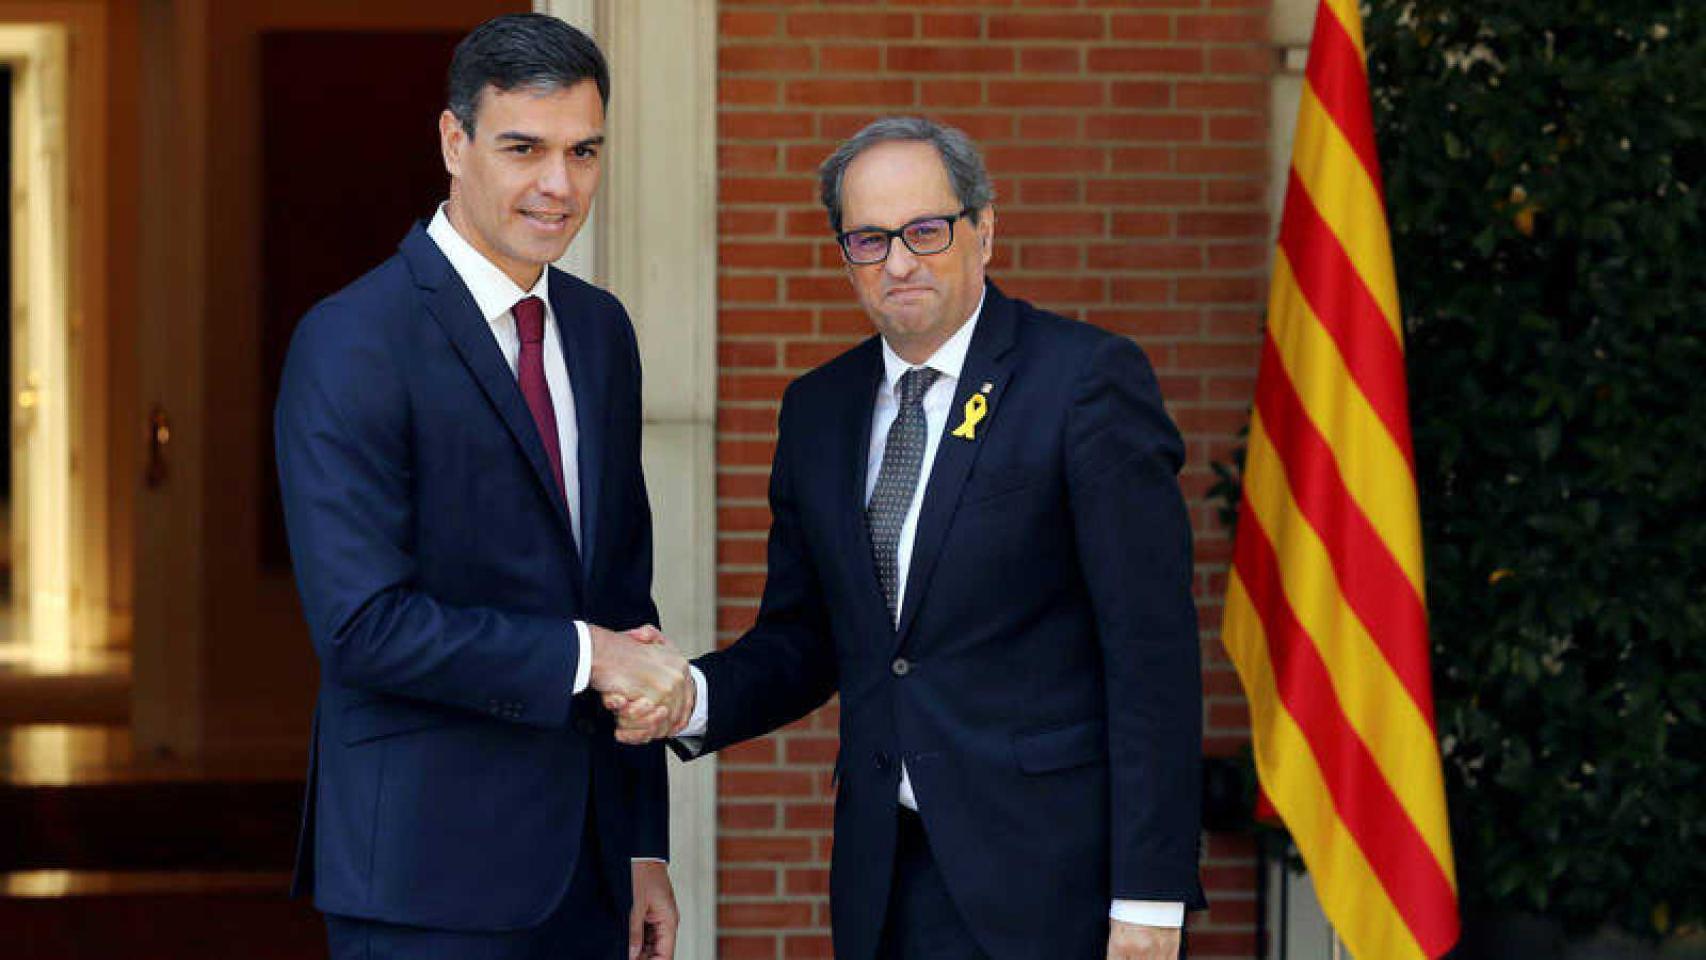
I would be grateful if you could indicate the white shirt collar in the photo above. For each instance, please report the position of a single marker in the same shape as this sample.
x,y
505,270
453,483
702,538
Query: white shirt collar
x,y
494,292
948,359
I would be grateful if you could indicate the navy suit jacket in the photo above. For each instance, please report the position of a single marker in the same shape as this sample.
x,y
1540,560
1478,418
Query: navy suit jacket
x,y
452,770
1043,687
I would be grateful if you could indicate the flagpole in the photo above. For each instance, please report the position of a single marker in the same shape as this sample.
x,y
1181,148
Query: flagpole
x,y
1338,947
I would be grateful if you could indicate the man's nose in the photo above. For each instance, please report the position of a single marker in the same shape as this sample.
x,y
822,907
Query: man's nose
x,y
901,260
554,180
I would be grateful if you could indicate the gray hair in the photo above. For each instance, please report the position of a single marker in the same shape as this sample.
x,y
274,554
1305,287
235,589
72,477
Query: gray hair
x,y
959,155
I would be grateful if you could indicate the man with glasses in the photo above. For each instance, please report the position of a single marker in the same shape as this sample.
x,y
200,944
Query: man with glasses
x,y
979,541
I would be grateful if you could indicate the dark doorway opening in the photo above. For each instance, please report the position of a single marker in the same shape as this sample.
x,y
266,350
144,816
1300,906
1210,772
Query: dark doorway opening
x,y
349,142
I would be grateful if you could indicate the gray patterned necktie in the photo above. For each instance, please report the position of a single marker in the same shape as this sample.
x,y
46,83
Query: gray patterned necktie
x,y
897,479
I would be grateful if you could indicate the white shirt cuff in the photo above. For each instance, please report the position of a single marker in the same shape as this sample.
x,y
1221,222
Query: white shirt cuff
x,y
1149,913
700,719
583,663
647,860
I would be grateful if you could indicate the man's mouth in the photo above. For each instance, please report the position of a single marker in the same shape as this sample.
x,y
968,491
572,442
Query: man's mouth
x,y
545,218
907,292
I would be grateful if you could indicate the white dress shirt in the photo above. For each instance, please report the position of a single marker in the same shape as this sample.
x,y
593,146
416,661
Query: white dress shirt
x,y
948,361
496,295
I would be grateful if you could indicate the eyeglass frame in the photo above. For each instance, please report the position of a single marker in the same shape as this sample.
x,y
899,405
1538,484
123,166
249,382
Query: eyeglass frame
x,y
900,233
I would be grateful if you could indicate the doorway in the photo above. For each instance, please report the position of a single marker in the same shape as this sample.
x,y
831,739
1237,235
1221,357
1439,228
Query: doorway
x,y
56,657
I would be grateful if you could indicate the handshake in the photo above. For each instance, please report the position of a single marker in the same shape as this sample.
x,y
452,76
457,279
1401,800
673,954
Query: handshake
x,y
644,681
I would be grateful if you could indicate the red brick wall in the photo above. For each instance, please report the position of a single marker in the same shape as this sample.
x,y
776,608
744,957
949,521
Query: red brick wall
x,y
1128,142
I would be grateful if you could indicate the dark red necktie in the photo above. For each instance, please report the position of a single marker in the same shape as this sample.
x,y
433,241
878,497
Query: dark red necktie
x,y
530,324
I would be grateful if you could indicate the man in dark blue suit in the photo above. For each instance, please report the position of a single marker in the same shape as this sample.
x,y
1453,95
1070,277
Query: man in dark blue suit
x,y
459,451
978,539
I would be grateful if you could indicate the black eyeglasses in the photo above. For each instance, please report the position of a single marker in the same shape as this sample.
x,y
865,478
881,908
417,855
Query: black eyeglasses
x,y
923,237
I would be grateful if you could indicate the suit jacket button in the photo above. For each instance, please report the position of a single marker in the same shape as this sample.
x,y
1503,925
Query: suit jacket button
x,y
900,667
585,726
882,761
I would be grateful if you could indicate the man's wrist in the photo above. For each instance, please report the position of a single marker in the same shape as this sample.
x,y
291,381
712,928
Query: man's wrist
x,y
699,719
1149,913
583,662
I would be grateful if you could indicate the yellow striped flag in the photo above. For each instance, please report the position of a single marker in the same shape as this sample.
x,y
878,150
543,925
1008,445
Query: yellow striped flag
x,y
1325,618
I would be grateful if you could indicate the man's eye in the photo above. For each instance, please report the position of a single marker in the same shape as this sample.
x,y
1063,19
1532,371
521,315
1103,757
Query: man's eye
x,y
866,242
922,233
522,149
586,153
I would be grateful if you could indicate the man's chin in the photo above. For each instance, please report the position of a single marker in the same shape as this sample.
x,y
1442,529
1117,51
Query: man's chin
x,y
543,255
906,325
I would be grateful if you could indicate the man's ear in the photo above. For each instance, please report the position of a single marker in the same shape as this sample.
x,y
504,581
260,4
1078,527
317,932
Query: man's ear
x,y
986,232
452,140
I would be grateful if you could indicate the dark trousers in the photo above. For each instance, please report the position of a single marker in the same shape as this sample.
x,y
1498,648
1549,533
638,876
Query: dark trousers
x,y
922,922
585,926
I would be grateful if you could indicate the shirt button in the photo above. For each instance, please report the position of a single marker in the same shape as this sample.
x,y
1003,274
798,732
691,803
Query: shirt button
x,y
901,667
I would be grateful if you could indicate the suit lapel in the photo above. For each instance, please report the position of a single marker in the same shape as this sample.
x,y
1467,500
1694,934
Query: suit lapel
x,y
589,363
855,446
452,307
988,361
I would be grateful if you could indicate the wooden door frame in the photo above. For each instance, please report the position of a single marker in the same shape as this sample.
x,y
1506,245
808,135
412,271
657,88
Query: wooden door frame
x,y
169,696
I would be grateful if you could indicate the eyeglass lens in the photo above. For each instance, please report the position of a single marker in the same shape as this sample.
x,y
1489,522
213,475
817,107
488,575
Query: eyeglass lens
x,y
922,237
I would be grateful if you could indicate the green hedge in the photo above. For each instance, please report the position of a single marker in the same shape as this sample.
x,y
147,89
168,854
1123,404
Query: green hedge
x,y
1544,167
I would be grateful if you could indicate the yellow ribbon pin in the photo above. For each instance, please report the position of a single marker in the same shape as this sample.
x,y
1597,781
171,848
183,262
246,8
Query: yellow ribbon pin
x,y
976,408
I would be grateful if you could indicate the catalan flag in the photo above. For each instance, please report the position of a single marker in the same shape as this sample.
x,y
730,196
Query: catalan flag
x,y
1325,618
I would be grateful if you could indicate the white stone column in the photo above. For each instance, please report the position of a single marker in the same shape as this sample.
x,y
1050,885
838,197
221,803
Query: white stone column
x,y
1290,23
652,242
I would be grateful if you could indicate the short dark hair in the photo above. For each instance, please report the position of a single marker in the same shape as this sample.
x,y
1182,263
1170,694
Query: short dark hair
x,y
959,155
522,50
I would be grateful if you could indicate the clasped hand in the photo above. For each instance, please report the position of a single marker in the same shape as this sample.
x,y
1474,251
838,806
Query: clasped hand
x,y
644,680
